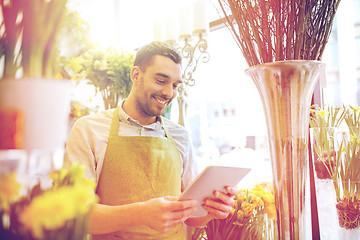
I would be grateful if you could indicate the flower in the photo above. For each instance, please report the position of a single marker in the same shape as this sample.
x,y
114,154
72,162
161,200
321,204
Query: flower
x,y
270,211
322,113
60,212
247,209
250,217
9,190
54,208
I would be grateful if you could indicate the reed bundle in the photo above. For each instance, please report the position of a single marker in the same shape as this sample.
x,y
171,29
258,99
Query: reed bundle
x,y
276,30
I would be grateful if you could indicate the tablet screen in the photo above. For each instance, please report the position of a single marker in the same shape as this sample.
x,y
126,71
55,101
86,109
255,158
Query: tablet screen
x,y
210,179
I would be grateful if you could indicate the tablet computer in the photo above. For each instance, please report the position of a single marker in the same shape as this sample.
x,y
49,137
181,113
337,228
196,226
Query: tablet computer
x,y
210,179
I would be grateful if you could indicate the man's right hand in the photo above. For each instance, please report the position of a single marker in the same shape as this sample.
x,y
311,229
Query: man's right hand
x,y
165,213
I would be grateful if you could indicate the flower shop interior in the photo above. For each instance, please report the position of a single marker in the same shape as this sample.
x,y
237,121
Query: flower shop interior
x,y
219,105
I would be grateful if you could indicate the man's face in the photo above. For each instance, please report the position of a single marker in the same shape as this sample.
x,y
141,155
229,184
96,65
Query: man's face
x,y
158,86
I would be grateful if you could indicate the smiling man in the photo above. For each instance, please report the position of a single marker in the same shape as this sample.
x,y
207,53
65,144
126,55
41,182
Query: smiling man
x,y
142,161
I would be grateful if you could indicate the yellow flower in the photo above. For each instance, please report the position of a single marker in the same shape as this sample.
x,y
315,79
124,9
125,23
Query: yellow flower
x,y
257,201
58,175
267,186
268,198
240,215
264,192
231,213
49,210
247,208
354,139
271,211
321,113
9,189
76,171
52,209
253,212
241,195
357,108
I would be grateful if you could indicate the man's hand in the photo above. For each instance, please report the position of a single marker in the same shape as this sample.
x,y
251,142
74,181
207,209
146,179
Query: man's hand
x,y
221,206
218,207
165,213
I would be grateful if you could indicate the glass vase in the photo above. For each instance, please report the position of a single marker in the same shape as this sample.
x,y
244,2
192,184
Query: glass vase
x,y
286,88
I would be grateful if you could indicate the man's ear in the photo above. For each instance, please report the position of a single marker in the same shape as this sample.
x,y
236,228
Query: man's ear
x,y
135,74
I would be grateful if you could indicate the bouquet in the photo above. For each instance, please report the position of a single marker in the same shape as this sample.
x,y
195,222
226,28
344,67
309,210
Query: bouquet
x,y
59,212
253,217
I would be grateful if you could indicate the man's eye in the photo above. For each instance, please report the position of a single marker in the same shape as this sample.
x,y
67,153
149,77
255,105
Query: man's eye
x,y
160,81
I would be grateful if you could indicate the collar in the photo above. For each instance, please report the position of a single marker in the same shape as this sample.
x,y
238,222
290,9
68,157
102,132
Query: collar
x,y
124,118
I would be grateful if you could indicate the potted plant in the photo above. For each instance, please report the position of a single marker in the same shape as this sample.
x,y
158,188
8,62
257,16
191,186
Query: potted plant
x,y
29,46
107,70
325,123
347,175
335,140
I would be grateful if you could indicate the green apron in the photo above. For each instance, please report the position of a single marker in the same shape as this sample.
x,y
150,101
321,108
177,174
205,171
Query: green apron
x,y
136,169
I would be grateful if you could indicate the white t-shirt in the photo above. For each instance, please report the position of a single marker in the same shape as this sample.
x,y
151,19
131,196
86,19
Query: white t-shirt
x,y
89,137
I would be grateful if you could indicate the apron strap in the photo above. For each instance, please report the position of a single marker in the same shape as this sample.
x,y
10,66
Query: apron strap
x,y
114,129
167,133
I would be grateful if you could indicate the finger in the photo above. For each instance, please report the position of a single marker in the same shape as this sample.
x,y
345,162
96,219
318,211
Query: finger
x,y
216,213
183,214
231,190
183,204
174,204
229,200
218,206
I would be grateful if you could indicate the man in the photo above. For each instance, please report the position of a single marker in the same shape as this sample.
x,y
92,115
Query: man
x,y
141,160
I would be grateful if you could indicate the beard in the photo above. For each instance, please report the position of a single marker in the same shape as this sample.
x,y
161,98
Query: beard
x,y
152,105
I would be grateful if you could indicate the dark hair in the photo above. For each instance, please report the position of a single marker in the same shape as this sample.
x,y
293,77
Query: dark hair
x,y
146,53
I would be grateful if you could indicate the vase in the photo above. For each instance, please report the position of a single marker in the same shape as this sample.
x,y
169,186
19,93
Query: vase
x,y
45,104
43,107
286,88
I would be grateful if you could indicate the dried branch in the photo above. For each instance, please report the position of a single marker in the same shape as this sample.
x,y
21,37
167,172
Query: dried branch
x,y
276,30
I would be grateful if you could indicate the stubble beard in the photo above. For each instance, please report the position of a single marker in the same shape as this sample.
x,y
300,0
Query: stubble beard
x,y
150,109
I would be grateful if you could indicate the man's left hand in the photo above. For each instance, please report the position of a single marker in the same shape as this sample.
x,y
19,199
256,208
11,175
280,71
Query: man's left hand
x,y
221,205
218,207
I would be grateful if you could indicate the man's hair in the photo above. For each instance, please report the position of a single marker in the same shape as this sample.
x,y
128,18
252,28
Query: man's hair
x,y
146,53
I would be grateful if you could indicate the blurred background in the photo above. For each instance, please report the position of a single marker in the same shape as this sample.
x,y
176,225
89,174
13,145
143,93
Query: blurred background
x,y
224,112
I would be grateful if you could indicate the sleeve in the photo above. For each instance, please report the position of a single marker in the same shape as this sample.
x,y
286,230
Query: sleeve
x,y
190,166
80,148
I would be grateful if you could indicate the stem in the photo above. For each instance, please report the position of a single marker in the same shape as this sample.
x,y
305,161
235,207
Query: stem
x,y
276,30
